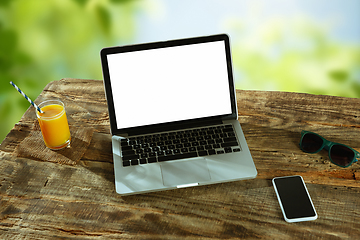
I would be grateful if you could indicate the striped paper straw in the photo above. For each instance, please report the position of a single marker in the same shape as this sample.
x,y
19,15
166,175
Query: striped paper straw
x,y
26,97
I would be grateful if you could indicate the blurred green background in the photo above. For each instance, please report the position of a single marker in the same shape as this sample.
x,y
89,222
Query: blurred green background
x,y
295,45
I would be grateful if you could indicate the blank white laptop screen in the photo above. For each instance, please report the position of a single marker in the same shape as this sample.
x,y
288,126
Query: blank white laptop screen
x,y
169,84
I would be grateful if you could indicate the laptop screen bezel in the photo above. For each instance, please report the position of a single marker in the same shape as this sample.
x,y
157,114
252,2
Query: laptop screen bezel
x,y
172,125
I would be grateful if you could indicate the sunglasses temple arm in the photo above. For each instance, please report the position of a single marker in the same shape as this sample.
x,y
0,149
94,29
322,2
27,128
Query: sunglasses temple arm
x,y
357,155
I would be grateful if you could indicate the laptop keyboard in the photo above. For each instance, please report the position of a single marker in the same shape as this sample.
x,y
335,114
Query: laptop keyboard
x,y
179,145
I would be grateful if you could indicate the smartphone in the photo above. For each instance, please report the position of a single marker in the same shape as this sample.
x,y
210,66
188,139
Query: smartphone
x,y
294,199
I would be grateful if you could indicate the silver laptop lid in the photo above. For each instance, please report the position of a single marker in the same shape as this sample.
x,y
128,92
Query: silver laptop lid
x,y
169,85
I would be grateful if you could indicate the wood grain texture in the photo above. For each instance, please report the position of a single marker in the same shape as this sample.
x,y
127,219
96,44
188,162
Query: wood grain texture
x,y
43,200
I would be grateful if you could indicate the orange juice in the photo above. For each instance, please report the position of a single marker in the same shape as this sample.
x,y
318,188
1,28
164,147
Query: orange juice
x,y
54,125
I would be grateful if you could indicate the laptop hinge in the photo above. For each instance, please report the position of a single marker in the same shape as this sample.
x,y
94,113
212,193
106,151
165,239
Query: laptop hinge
x,y
173,127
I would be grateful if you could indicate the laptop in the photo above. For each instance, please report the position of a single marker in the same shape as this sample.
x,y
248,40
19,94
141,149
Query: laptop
x,y
173,115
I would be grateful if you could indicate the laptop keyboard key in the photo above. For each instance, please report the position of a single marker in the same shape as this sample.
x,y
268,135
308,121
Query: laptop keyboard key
x,y
230,139
200,148
211,152
192,149
134,162
228,149
126,148
151,159
217,145
178,145
130,157
143,155
176,157
228,129
184,150
229,144
195,144
202,153
139,151
218,140
208,147
231,134
128,152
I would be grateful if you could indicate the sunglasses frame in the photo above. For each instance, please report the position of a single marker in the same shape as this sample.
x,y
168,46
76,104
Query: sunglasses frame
x,y
328,145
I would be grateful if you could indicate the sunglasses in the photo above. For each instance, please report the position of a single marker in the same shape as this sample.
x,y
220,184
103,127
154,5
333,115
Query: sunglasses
x,y
339,154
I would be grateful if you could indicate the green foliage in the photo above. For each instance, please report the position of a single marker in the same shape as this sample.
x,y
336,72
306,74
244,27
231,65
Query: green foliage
x,y
302,59
43,41
46,40
339,75
104,18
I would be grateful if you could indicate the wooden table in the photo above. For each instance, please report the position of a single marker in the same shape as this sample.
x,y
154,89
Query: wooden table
x,y
44,200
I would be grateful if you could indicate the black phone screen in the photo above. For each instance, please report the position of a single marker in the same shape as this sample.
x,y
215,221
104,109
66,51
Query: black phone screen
x,y
295,200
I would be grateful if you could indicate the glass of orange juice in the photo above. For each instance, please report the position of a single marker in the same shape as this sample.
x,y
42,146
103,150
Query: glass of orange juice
x,y
54,125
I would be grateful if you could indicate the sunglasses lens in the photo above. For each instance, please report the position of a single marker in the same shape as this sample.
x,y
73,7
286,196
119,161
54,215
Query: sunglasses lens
x,y
342,155
311,143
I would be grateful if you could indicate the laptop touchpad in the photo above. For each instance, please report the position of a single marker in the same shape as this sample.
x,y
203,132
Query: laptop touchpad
x,y
185,172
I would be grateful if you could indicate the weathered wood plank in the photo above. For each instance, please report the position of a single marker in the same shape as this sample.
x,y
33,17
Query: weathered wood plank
x,y
42,200
289,110
65,201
